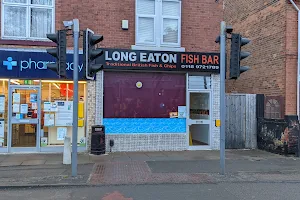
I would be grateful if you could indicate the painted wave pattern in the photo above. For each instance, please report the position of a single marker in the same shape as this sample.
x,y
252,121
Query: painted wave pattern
x,y
144,125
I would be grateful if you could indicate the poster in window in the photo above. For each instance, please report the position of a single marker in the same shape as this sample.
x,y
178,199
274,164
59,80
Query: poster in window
x,y
34,105
44,141
181,111
2,128
47,106
54,107
16,97
61,133
49,119
16,108
64,115
24,108
33,97
2,103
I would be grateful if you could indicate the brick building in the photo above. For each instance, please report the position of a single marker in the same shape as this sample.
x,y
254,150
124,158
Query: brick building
x,y
272,27
156,71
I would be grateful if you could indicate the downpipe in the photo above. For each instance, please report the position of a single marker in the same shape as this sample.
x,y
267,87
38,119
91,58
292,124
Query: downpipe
x,y
298,71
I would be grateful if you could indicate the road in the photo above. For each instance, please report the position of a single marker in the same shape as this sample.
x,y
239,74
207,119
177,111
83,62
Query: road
x,y
221,191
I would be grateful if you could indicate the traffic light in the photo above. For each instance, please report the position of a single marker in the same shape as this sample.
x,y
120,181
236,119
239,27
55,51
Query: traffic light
x,y
59,52
236,55
90,53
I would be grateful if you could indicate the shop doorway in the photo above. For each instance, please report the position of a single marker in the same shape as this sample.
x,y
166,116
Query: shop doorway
x,y
24,113
199,119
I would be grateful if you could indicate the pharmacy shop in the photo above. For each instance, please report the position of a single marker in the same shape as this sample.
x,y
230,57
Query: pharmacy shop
x,y
36,106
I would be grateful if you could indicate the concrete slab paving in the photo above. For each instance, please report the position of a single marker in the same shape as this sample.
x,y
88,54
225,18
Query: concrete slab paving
x,y
155,154
100,158
125,158
34,162
3,158
14,158
53,162
10,163
138,156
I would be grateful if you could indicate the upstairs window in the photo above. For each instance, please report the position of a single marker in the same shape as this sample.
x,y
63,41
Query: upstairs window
x,y
158,23
27,19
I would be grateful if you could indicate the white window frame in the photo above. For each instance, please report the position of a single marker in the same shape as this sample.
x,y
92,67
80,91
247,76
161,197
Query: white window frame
x,y
28,6
179,27
158,26
146,16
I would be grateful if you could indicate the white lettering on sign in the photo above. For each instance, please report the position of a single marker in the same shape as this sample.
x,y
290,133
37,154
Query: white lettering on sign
x,y
120,56
158,57
144,57
42,65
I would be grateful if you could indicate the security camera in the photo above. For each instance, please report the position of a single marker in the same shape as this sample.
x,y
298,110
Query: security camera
x,y
229,29
68,24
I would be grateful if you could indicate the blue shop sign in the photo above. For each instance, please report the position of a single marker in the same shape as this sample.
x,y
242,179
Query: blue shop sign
x,y
33,65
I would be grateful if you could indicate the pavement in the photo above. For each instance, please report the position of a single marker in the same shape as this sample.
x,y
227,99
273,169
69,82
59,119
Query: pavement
x,y
147,168
220,191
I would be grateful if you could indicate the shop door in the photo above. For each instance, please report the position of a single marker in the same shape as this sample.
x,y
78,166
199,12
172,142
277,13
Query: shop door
x,y
24,118
199,120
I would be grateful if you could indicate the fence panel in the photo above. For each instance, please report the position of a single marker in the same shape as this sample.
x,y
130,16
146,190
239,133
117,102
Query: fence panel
x,y
241,121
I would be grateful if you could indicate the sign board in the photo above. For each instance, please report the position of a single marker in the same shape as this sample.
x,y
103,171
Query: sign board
x,y
121,59
33,65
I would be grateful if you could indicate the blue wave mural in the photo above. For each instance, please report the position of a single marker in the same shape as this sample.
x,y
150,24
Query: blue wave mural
x,y
144,125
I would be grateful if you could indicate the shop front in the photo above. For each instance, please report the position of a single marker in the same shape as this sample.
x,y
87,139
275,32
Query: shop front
x,y
36,106
159,101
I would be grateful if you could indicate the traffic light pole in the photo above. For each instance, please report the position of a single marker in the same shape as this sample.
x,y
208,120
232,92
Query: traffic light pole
x,y
75,96
222,94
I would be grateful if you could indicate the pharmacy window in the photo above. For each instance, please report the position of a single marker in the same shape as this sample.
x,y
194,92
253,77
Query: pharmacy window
x,y
158,23
27,19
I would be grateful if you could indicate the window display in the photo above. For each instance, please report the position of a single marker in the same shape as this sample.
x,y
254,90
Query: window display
x,y
3,112
57,112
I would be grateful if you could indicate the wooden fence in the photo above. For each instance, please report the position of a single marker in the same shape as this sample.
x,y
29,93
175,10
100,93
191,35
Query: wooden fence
x,y
241,121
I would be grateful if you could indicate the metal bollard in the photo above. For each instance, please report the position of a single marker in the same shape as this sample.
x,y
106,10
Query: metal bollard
x,y
67,151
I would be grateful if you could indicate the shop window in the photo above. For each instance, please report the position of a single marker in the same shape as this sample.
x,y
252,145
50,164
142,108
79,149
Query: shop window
x,y
3,112
143,95
54,130
27,19
158,23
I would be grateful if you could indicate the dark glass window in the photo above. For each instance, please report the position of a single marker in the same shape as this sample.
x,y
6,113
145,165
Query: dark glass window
x,y
142,95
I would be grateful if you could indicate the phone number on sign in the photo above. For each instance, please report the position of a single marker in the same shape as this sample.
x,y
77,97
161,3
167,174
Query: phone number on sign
x,y
199,67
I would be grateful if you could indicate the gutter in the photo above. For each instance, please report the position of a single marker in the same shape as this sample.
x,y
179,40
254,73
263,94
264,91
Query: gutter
x,y
298,66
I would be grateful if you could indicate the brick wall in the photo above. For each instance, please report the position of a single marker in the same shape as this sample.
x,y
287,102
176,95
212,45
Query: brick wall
x,y
200,22
263,22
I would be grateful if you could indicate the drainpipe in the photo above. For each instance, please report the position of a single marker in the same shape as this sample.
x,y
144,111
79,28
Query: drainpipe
x,y
298,66
298,10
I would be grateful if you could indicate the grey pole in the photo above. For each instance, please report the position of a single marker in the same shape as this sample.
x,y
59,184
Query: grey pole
x,y
75,96
222,95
